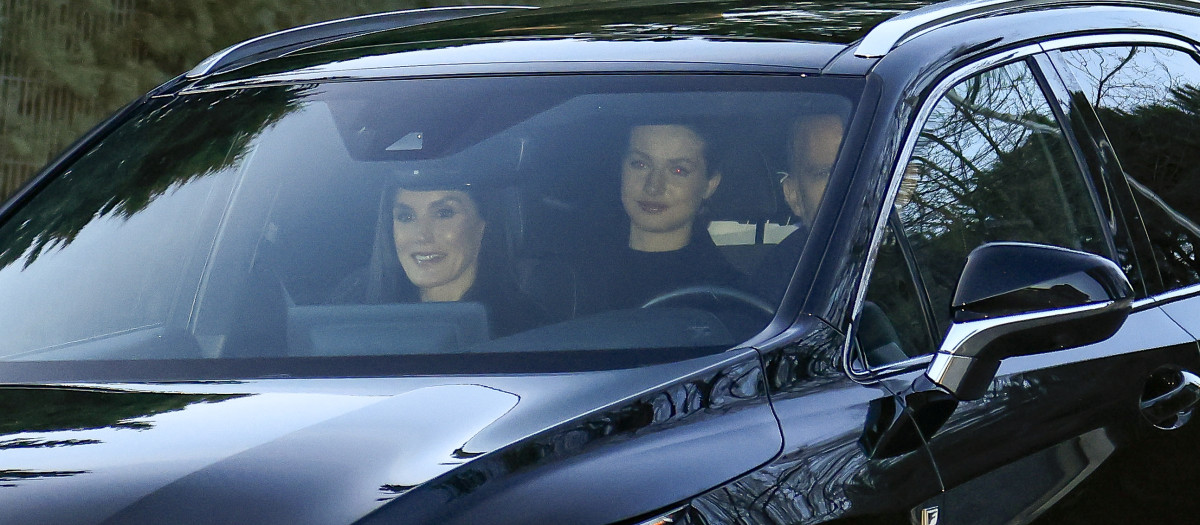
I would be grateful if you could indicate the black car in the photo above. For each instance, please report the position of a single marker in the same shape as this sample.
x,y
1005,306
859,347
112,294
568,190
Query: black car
x,y
638,263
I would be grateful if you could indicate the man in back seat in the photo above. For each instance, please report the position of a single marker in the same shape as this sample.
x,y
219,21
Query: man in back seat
x,y
813,144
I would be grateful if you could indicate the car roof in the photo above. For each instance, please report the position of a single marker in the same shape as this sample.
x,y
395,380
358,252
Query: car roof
x,y
711,35
649,35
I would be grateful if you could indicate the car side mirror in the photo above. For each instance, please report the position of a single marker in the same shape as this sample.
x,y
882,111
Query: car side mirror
x,y
1017,299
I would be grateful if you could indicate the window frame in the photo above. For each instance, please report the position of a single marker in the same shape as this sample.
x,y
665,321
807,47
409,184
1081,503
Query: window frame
x,y
853,361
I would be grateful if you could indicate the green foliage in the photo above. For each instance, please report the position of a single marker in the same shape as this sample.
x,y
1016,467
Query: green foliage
x,y
70,63
79,60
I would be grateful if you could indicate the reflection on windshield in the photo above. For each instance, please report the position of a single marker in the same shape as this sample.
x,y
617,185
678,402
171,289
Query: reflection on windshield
x,y
424,217
183,151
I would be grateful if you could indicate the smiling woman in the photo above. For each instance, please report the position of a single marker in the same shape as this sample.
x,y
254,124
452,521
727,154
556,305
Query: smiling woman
x,y
438,236
435,244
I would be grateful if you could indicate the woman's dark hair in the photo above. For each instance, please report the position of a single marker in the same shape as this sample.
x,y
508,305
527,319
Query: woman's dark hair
x,y
386,280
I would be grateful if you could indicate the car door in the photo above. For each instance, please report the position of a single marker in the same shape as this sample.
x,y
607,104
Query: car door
x,y
825,473
1139,96
992,158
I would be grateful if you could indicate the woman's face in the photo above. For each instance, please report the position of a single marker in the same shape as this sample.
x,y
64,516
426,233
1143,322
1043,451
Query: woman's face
x,y
438,235
664,180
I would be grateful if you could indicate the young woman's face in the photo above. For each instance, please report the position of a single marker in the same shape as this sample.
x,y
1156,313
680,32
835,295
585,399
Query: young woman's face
x,y
438,235
664,180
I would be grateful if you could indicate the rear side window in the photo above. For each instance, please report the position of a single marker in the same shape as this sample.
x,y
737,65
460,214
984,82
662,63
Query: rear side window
x,y
1148,100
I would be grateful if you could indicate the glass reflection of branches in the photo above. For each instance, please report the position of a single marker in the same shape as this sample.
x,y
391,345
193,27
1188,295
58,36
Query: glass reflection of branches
x,y
991,164
834,21
1149,104
149,156
841,20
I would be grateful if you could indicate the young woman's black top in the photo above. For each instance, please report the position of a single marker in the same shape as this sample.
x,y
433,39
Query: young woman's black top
x,y
621,277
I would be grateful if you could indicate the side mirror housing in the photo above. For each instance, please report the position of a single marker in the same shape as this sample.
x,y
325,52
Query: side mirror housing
x,y
1020,299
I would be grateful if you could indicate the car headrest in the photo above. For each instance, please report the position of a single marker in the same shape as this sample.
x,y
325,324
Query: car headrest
x,y
541,225
749,190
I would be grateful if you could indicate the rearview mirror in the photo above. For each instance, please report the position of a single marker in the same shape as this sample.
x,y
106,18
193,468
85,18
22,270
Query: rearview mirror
x,y
1020,299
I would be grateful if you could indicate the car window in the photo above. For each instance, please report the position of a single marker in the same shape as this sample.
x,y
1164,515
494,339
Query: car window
x,y
1148,101
432,217
893,325
992,163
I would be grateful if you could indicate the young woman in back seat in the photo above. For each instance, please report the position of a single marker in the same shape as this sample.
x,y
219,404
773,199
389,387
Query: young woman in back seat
x,y
667,174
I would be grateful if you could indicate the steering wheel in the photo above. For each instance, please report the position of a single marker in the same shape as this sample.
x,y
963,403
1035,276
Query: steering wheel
x,y
716,293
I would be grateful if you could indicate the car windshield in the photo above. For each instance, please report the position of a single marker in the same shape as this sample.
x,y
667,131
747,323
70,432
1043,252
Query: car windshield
x,y
533,217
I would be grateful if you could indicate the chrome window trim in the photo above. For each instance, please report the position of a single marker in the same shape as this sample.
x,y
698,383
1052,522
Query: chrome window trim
x,y
899,367
1145,303
910,143
1117,39
1168,296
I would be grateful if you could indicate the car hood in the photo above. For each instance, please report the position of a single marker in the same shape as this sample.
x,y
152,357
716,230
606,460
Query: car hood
x,y
280,450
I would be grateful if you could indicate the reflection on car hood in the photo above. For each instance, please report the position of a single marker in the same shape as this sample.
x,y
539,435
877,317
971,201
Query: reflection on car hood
x,y
277,450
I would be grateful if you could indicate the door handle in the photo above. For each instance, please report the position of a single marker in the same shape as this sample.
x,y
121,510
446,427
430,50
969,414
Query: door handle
x,y
1170,397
